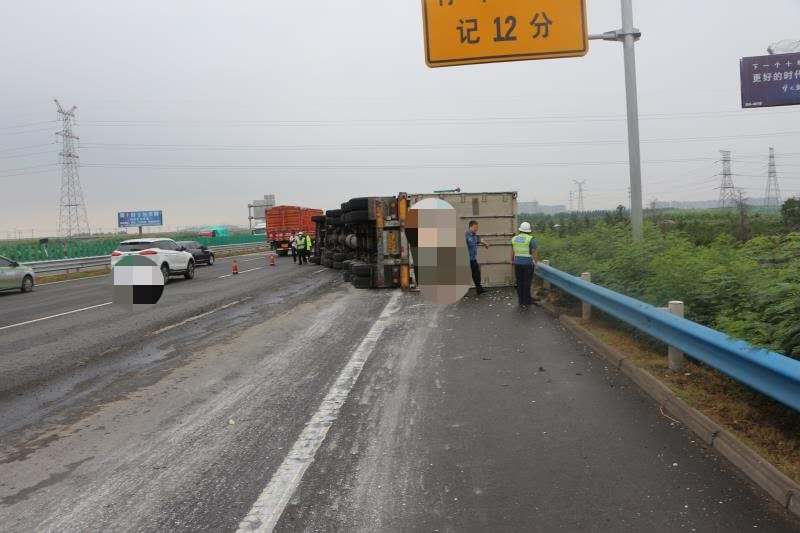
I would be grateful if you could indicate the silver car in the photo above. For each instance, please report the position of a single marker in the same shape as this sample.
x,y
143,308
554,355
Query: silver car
x,y
15,276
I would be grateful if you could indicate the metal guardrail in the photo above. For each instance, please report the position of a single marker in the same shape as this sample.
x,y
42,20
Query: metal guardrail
x,y
84,263
770,373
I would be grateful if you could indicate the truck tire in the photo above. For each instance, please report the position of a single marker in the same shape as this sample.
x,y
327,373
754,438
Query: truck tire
x,y
362,282
359,204
337,265
358,216
361,269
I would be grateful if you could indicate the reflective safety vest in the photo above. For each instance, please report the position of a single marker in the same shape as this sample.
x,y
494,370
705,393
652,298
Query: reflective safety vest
x,y
301,242
308,242
522,245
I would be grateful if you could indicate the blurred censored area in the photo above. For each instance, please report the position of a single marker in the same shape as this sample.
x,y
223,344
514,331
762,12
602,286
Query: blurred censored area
x,y
137,281
439,251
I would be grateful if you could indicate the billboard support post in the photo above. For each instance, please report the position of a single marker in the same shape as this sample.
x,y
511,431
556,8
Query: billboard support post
x,y
628,36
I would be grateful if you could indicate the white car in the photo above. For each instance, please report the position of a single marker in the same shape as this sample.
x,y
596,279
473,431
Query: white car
x,y
171,258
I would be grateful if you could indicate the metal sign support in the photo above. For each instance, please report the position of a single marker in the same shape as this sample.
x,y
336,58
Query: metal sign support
x,y
628,35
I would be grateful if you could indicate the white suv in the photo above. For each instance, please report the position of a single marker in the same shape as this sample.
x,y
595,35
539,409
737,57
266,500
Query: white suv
x,y
170,257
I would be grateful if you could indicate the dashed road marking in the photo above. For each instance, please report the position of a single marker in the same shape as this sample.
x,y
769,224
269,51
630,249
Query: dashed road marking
x,y
273,500
241,272
196,317
55,316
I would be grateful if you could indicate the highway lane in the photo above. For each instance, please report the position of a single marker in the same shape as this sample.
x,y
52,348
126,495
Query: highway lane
x,y
31,353
471,417
61,297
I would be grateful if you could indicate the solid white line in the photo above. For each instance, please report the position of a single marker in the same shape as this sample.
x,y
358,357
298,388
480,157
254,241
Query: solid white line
x,y
241,272
196,317
318,271
69,280
55,316
271,503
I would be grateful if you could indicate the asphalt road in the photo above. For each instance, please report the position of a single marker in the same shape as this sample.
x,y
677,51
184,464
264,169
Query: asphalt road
x,y
304,403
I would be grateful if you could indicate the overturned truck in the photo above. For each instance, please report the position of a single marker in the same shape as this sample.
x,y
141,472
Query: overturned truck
x,y
366,237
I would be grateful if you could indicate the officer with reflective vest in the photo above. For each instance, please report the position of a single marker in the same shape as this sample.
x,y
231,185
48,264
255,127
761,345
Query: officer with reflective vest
x,y
303,246
526,255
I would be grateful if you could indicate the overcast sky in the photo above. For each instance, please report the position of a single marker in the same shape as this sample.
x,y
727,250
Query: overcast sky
x,y
198,107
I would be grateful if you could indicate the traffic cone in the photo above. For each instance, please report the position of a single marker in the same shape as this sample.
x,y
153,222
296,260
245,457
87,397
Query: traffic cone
x,y
272,259
234,267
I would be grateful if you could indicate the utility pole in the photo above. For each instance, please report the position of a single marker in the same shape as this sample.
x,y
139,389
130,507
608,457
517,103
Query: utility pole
x,y
628,35
571,200
727,192
580,185
72,218
772,196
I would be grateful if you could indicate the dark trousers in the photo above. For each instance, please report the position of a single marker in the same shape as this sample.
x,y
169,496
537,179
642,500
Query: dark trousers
x,y
524,275
302,256
476,274
294,254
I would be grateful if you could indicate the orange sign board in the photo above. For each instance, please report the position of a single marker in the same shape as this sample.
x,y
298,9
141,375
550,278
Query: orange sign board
x,y
463,32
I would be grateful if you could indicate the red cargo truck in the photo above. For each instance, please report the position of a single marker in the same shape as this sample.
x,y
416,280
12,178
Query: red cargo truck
x,y
283,221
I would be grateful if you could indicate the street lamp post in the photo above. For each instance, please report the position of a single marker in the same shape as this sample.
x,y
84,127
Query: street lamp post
x,y
628,35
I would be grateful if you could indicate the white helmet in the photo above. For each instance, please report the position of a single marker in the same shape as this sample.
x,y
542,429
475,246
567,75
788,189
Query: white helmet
x,y
525,227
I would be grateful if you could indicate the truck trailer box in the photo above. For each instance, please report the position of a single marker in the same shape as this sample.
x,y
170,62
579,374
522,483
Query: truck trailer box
x,y
496,213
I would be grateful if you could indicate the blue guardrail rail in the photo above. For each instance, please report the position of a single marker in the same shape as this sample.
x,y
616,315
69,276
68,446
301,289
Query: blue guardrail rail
x,y
770,373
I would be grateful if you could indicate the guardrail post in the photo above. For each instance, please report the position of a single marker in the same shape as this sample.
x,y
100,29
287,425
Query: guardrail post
x,y
586,309
675,357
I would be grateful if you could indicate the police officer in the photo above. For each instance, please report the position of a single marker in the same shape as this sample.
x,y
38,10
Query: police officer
x,y
526,255
301,249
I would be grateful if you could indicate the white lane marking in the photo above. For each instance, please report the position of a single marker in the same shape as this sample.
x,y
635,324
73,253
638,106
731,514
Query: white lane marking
x,y
271,503
55,316
196,317
241,272
69,280
318,271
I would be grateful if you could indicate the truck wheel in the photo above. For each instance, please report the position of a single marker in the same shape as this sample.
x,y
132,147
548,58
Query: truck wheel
x,y
358,204
359,216
362,282
361,269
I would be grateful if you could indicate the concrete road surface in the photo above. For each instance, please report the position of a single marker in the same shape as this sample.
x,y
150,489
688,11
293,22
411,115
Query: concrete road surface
x,y
285,398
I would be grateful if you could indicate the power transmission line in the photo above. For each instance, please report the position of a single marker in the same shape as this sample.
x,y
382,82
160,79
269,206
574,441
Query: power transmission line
x,y
727,191
72,218
772,196
580,185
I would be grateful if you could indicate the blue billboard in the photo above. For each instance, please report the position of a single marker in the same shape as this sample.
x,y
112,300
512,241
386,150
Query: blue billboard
x,y
769,81
132,219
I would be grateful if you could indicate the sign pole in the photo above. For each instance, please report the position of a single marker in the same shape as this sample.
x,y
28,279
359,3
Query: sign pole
x,y
628,36
634,147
